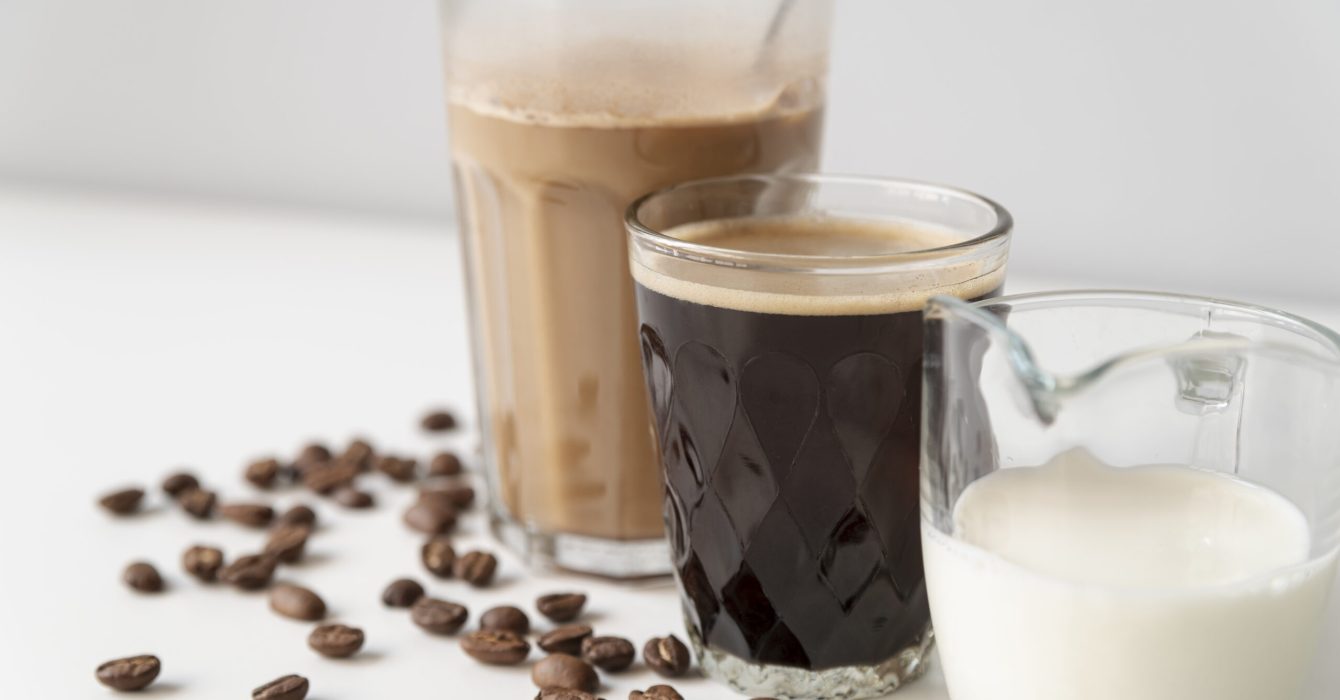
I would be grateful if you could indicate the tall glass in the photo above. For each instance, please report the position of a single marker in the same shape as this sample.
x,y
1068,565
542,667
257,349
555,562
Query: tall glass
x,y
784,371
1128,495
561,113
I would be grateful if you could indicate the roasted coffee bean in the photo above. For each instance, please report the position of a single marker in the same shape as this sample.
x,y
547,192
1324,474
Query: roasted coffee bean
x,y
143,577
430,518
656,692
565,640
249,514
438,556
350,497
437,421
313,453
438,616
444,464
132,673
564,694
564,671
262,473
202,562
199,503
297,602
328,477
178,483
336,641
287,543
298,515
359,452
456,496
402,470
249,573
667,656
496,647
505,618
611,654
285,688
123,502
402,593
561,607
476,568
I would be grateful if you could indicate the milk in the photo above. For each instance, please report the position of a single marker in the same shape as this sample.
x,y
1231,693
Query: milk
x,y
1079,581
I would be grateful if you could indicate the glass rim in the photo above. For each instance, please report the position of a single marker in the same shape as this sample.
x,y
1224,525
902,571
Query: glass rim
x,y
997,235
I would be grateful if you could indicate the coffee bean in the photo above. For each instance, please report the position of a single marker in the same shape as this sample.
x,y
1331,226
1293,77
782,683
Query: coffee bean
x,y
328,477
564,694
656,692
456,496
132,673
287,543
496,647
667,656
564,671
297,602
476,568
143,577
438,616
430,518
202,562
402,593
199,503
123,502
350,497
262,473
565,640
285,688
561,607
438,556
444,464
312,453
402,470
505,618
178,483
249,514
359,452
437,421
336,641
298,515
249,573
611,654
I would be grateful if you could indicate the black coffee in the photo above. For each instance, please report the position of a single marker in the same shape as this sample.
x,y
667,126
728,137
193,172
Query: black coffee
x,y
789,438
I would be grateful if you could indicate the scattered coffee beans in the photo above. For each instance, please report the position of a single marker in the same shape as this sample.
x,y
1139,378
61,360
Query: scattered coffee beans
x,y
402,593
564,694
249,573
123,502
350,497
561,607
505,618
402,470
563,671
438,616
565,640
180,482
202,562
456,496
249,514
297,602
143,577
132,673
438,556
667,656
496,647
327,478
359,452
430,518
199,503
438,421
656,692
262,473
444,464
285,688
298,515
287,543
336,641
611,654
476,568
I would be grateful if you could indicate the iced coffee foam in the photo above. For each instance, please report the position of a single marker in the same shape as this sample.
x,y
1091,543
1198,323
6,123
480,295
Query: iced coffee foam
x,y
901,283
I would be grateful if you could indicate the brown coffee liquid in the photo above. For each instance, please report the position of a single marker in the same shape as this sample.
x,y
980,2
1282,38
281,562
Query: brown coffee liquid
x,y
789,424
562,393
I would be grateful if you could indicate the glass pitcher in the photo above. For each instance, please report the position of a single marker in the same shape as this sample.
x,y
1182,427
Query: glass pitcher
x,y
1128,495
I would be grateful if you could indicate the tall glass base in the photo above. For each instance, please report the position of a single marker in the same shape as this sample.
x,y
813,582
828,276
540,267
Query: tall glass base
x,y
619,559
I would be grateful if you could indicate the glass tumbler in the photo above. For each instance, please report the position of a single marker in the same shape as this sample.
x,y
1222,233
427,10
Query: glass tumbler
x,y
1128,495
784,373
560,114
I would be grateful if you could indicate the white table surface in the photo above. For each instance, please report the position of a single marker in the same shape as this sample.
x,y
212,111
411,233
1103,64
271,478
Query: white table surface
x,y
138,335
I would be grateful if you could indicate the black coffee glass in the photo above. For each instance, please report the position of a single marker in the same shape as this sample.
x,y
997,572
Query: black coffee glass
x,y
781,333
